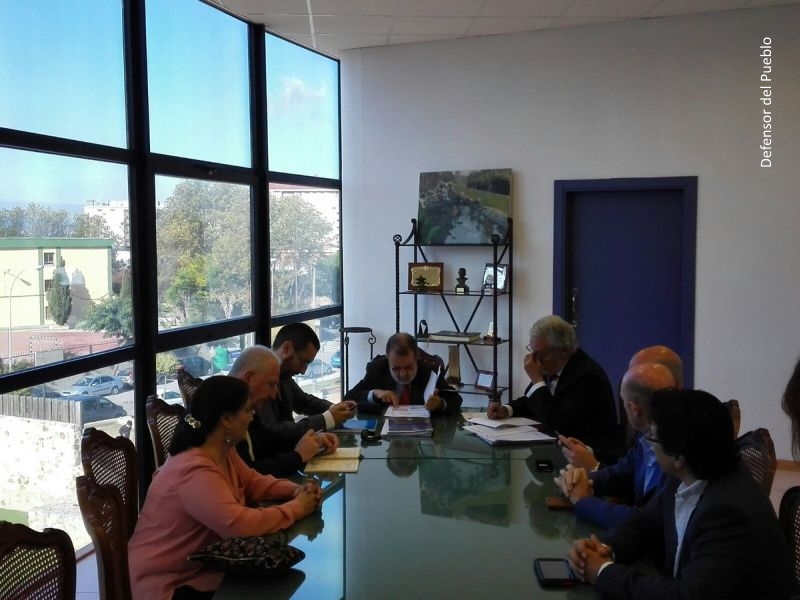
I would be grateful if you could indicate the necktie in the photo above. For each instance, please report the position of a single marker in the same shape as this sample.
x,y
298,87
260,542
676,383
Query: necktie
x,y
405,395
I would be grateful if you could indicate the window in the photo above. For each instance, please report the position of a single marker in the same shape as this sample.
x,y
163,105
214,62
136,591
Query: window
x,y
203,239
195,215
62,70
198,82
302,110
305,252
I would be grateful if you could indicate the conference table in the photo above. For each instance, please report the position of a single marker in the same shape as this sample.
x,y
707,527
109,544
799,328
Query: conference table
x,y
441,517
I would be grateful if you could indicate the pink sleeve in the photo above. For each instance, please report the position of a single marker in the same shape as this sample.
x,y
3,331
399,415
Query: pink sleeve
x,y
259,487
207,497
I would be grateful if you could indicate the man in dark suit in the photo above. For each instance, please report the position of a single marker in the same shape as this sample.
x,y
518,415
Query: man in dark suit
x,y
296,345
400,377
568,391
713,529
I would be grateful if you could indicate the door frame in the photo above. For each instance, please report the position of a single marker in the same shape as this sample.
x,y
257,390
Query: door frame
x,y
688,188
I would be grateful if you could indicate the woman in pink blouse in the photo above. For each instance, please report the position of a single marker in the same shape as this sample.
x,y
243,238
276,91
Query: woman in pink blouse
x,y
201,494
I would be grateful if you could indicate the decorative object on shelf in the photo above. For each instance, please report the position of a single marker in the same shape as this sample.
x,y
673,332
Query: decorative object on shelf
x,y
463,207
454,336
422,330
453,366
485,380
461,282
490,285
425,277
490,336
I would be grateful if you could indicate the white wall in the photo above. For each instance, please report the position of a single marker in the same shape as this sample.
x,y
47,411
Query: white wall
x,y
663,97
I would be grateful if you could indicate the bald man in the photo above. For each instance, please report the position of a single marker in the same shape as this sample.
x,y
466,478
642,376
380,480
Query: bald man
x,y
636,477
267,451
663,356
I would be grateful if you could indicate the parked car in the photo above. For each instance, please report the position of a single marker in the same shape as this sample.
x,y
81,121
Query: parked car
x,y
172,397
126,376
316,368
196,365
336,360
43,391
97,408
96,385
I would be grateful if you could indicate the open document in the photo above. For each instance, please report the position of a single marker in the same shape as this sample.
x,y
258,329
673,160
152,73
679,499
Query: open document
x,y
524,434
344,460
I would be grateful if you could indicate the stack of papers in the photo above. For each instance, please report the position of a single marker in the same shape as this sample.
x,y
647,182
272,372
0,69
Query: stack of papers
x,y
344,460
412,420
514,430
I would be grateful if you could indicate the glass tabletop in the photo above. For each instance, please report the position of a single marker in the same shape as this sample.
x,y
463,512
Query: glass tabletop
x,y
444,521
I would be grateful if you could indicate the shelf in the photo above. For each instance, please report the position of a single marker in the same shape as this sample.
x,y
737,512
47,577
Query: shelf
x,y
470,295
473,343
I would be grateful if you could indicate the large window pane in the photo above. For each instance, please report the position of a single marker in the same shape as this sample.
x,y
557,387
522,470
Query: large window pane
x,y
305,252
64,256
203,238
302,110
41,428
198,82
61,69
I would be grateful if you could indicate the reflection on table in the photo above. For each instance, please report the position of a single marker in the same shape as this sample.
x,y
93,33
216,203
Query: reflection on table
x,y
438,517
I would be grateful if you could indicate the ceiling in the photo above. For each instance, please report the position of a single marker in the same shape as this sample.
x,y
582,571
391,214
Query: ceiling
x,y
331,26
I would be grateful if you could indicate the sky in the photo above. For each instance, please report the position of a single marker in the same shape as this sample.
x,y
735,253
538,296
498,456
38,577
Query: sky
x,y
61,74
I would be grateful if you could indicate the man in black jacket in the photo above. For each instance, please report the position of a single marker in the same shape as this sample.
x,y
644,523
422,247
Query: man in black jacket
x,y
568,391
713,529
400,377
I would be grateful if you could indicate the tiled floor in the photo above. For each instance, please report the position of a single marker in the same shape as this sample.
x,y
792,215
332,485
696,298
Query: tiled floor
x,y
785,477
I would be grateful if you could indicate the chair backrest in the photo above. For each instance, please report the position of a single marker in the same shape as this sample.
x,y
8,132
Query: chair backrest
x,y
758,453
36,564
736,415
113,460
162,418
187,385
105,517
433,361
789,517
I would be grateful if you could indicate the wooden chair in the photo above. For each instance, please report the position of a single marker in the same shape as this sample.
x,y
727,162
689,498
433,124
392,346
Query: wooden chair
x,y
162,418
36,564
113,460
758,453
105,517
736,415
187,385
789,517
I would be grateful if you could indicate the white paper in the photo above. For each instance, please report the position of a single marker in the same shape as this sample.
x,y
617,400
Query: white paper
x,y
498,423
510,435
408,410
430,389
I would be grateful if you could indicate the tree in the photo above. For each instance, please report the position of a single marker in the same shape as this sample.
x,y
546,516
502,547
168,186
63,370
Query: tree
x,y
299,236
59,298
113,316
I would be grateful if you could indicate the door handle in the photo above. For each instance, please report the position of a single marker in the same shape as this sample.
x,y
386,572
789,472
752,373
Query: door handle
x,y
574,302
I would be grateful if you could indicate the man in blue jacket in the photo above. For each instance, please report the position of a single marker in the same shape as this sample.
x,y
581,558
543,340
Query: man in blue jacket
x,y
636,477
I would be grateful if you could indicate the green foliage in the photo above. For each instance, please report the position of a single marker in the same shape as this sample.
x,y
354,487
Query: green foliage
x,y
113,317
59,298
166,363
37,220
300,237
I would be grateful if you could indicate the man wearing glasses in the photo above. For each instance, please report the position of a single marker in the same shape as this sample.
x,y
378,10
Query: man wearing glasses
x,y
712,529
569,392
296,344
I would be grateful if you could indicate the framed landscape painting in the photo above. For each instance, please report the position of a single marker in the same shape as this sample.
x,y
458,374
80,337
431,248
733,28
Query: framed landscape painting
x,y
463,207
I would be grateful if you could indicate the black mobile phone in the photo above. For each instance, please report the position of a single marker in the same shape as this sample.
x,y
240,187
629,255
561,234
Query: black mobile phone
x,y
554,572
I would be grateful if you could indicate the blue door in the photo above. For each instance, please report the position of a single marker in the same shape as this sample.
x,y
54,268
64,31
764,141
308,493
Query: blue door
x,y
624,269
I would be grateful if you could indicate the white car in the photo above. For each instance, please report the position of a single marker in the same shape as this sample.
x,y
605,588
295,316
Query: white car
x,y
95,385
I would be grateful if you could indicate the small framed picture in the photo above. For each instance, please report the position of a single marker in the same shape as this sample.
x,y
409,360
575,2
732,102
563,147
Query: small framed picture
x,y
485,380
425,277
489,282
